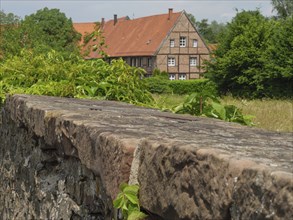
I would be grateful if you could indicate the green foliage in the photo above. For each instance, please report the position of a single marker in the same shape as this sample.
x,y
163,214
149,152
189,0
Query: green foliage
x,y
127,201
41,32
95,41
284,8
201,104
242,65
211,32
52,74
158,83
50,28
193,86
8,33
277,77
7,19
161,84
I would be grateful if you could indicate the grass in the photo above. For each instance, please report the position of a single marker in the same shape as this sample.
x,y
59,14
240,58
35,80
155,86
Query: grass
x,y
270,114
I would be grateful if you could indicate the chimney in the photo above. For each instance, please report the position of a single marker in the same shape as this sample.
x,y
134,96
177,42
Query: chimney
x,y
170,13
102,23
115,19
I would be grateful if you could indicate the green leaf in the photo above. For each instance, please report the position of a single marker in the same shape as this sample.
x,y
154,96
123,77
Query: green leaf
x,y
136,215
123,186
133,189
132,197
118,202
219,110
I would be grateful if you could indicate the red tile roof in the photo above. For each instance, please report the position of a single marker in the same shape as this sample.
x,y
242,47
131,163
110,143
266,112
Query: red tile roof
x,y
137,37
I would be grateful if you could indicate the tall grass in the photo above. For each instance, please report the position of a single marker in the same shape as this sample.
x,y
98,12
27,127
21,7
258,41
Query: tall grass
x,y
270,114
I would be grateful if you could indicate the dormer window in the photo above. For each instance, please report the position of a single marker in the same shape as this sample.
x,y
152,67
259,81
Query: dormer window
x,y
172,43
182,42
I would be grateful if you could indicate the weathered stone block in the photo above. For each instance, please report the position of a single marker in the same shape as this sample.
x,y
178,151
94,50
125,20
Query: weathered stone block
x,y
65,158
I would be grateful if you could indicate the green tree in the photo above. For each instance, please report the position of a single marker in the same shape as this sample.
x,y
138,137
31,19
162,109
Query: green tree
x,y
284,8
203,28
191,18
278,58
9,18
217,30
49,29
9,33
210,32
43,31
238,63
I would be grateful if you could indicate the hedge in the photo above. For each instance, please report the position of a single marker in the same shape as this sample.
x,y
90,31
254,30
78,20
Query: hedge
x,y
162,85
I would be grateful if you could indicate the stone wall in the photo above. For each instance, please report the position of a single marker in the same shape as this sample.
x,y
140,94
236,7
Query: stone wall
x,y
65,158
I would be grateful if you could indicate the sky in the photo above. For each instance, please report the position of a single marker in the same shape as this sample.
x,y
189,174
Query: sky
x,y
94,10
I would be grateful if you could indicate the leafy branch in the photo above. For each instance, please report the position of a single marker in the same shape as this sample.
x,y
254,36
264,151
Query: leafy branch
x,y
127,201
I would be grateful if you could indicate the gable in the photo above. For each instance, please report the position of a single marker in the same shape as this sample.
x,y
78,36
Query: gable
x,y
184,28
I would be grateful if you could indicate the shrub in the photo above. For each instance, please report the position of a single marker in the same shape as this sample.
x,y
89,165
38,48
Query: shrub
x,y
161,84
181,87
52,74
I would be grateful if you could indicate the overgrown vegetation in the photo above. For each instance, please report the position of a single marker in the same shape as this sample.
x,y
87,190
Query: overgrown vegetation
x,y
52,74
127,202
269,114
203,105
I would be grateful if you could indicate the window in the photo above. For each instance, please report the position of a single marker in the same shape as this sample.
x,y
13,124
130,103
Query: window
x,y
149,62
182,42
133,61
193,61
171,61
172,43
172,76
194,44
182,76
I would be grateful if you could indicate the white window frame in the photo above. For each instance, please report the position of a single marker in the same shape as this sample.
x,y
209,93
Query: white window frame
x,y
171,61
172,76
172,43
182,41
182,76
195,43
193,61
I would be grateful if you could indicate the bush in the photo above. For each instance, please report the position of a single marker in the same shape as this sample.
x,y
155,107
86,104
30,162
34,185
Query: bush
x,y
52,74
181,87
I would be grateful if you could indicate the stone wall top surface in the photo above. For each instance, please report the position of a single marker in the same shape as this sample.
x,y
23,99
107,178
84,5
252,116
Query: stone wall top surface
x,y
134,124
